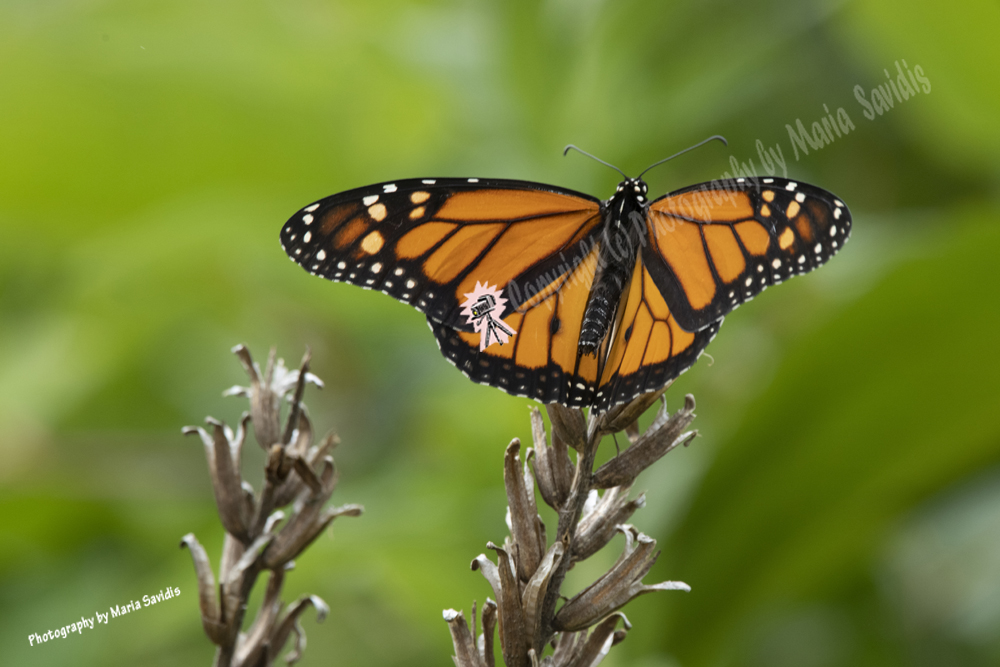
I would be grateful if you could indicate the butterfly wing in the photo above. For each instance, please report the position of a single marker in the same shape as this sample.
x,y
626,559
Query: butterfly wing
x,y
717,245
427,242
646,349
542,361
431,242
649,347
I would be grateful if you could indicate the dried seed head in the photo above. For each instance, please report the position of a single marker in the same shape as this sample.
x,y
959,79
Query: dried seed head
x,y
533,596
466,654
513,634
208,602
622,416
222,451
289,624
618,586
267,390
568,424
523,515
599,525
664,434
553,469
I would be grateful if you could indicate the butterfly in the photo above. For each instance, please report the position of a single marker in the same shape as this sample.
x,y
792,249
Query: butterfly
x,y
562,297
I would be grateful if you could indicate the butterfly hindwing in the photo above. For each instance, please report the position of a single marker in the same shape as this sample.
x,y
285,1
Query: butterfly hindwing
x,y
649,347
542,360
715,246
427,242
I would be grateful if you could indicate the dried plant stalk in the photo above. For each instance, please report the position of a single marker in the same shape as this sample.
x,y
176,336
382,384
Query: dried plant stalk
x,y
528,574
259,535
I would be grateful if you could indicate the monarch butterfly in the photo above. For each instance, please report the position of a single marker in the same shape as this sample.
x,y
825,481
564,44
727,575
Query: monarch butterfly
x,y
604,300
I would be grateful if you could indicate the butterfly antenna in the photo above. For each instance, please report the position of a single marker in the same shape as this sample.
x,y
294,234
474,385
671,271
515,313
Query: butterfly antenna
x,y
608,164
700,143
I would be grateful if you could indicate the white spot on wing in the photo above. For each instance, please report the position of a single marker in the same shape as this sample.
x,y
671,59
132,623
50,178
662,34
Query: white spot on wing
x,y
473,180
321,255
368,201
428,181
308,237
769,180
310,209
391,187
791,186
800,197
307,219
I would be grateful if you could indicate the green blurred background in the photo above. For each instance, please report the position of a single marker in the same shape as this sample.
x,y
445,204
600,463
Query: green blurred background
x,y
842,505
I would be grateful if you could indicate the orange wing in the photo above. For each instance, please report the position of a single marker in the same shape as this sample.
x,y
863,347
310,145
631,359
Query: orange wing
x,y
427,242
647,349
717,245
542,360
430,242
649,346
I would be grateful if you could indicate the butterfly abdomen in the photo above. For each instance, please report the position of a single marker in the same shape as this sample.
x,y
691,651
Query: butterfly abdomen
x,y
620,244
601,306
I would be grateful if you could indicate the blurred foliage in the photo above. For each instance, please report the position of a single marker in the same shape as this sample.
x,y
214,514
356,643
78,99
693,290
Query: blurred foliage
x,y
842,506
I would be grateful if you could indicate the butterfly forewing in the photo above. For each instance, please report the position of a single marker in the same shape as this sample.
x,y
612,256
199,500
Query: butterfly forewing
x,y
715,246
427,242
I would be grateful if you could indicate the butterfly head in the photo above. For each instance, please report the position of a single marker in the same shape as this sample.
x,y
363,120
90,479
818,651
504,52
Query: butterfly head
x,y
632,187
629,199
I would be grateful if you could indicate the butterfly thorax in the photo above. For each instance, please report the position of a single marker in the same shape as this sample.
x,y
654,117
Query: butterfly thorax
x,y
621,239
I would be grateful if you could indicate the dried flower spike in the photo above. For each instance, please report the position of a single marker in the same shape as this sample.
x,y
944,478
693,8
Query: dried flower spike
x,y
259,535
529,572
